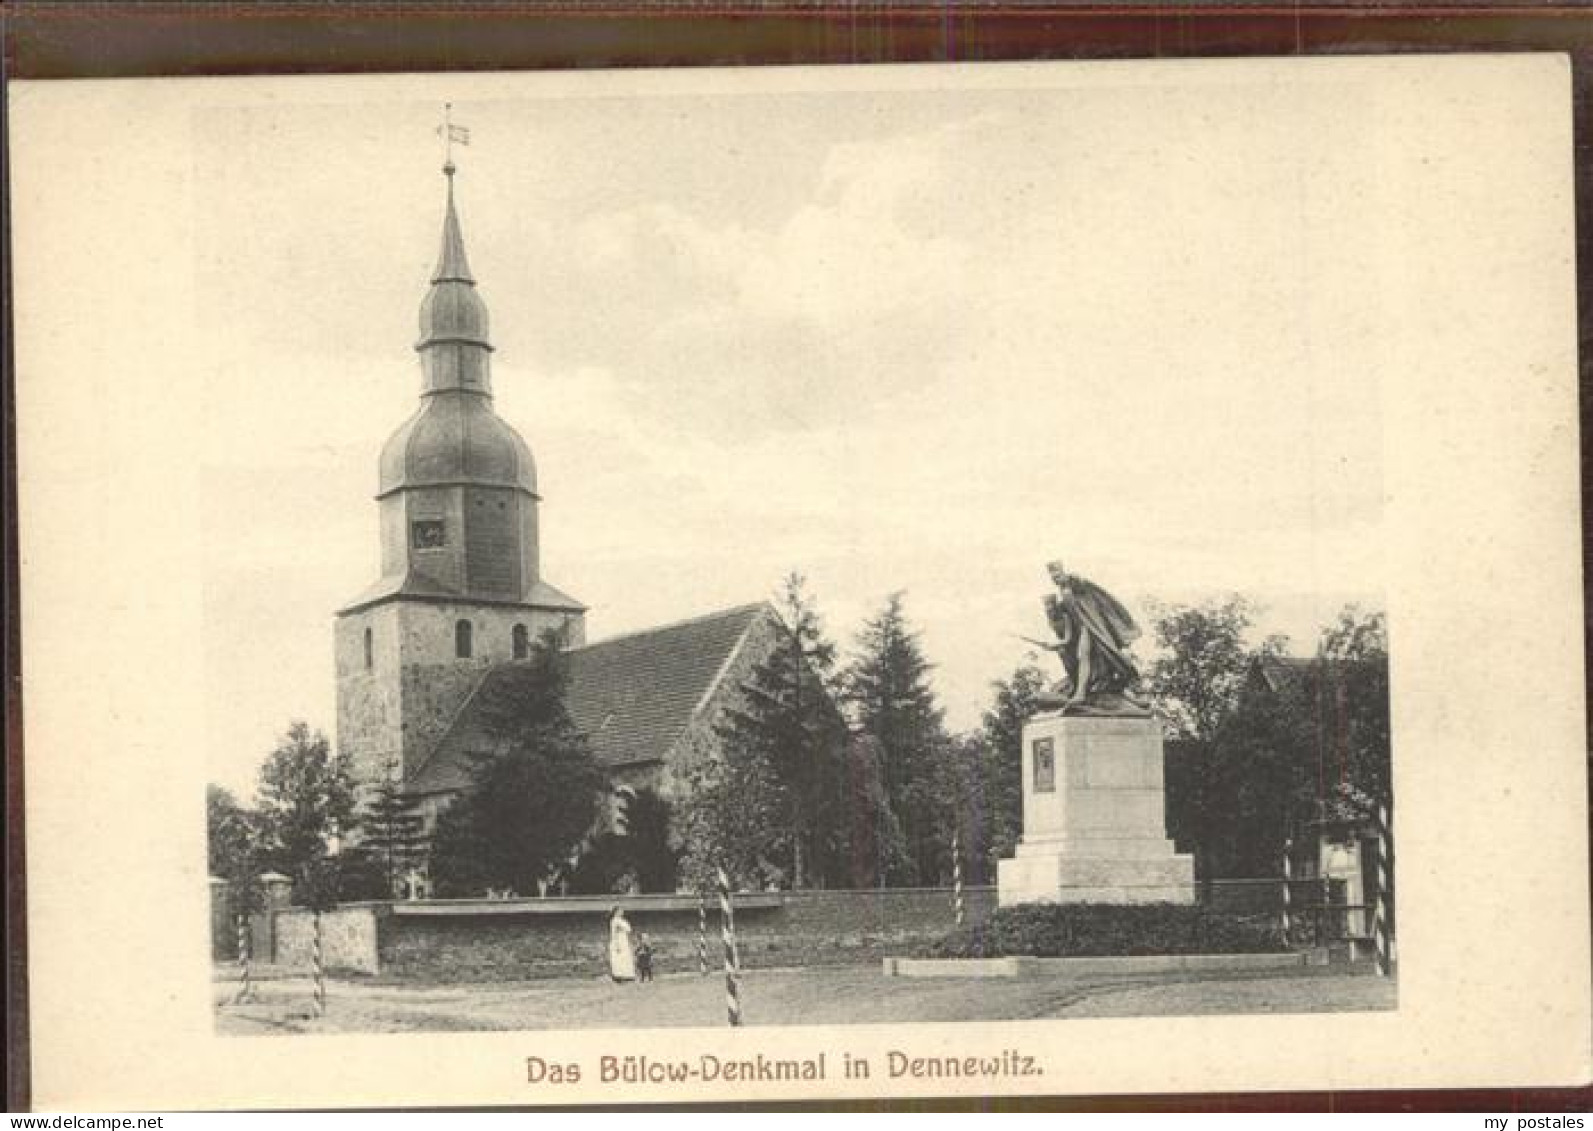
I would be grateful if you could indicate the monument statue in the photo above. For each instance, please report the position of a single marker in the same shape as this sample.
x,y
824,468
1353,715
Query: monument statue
x,y
1094,791
1093,635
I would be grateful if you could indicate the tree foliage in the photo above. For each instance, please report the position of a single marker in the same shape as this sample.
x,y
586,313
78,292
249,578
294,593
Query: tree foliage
x,y
306,802
1195,680
888,690
767,805
637,855
1000,761
1194,684
1261,745
870,831
234,843
391,842
532,800
1353,665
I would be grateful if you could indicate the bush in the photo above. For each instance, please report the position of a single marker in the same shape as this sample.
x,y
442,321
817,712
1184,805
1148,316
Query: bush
x,y
1047,930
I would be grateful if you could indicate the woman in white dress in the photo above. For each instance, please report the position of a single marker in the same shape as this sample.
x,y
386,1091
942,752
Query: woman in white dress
x,y
621,955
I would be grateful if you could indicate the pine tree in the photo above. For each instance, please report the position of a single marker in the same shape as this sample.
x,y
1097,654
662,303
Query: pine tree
x,y
769,805
392,839
888,689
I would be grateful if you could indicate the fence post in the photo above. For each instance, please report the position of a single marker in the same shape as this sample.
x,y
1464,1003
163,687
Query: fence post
x,y
702,933
956,877
318,971
727,928
1382,939
246,973
1288,874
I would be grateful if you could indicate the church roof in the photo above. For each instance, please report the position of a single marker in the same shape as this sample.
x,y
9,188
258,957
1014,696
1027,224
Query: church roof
x,y
417,585
451,262
632,696
455,439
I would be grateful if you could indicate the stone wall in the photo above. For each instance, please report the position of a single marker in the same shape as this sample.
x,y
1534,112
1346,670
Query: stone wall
x,y
396,709
479,940
369,706
348,937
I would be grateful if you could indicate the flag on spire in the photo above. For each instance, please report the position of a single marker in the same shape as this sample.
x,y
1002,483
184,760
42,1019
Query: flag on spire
x,y
450,134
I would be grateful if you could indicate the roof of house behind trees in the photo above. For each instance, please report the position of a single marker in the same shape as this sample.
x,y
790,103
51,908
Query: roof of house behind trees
x,y
1282,672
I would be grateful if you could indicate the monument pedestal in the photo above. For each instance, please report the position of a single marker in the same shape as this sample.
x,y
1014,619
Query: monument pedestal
x,y
1094,816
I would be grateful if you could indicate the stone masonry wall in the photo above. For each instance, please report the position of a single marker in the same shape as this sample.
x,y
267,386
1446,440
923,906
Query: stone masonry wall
x,y
348,937
807,929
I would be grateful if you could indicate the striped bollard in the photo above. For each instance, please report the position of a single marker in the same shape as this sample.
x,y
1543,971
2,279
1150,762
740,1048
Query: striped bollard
x,y
317,970
702,933
1381,938
956,877
245,972
727,923
1288,875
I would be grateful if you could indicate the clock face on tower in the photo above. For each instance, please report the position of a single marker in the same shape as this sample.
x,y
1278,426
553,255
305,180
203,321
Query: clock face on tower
x,y
460,588
428,534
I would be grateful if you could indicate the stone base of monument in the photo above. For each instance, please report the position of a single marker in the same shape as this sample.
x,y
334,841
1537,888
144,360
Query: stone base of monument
x,y
1094,816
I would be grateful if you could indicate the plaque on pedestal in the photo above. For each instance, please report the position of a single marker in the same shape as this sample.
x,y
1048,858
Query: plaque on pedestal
x,y
1094,816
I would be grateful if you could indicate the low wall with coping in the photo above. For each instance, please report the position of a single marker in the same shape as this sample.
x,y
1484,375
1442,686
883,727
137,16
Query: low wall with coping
x,y
479,940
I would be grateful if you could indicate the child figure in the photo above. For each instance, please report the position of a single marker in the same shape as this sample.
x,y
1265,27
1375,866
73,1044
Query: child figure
x,y
644,959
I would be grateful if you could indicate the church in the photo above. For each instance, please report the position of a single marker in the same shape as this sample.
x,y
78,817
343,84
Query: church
x,y
461,597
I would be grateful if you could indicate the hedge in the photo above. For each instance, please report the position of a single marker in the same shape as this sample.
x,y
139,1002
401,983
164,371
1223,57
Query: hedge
x,y
1048,930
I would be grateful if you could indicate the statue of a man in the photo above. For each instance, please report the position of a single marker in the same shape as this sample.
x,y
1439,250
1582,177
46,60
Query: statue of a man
x,y
1094,632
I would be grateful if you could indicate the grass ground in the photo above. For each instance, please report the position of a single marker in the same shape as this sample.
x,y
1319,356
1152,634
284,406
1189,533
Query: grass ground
x,y
808,996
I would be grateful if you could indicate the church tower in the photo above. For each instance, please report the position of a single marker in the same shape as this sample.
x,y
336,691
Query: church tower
x,y
461,586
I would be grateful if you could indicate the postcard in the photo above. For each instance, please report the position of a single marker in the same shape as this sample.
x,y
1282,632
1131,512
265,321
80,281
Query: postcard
x,y
801,583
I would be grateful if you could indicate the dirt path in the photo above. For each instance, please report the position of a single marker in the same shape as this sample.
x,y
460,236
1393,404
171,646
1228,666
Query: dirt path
x,y
813,996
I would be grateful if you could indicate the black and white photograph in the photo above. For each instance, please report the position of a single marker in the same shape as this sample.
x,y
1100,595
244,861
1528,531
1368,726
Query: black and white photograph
x,y
720,531
661,558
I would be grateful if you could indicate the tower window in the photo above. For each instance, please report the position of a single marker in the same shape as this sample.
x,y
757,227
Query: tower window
x,y
462,640
370,658
428,534
522,642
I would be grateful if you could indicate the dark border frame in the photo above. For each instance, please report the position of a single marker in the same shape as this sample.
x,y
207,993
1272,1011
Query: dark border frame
x,y
79,39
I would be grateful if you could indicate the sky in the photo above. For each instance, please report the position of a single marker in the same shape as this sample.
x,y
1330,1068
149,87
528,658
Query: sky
x,y
892,339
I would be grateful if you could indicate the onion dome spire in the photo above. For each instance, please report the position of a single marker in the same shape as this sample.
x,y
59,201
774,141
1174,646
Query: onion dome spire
x,y
456,438
452,266
454,342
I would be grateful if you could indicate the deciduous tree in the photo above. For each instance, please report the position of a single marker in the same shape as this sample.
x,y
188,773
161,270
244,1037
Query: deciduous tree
x,y
532,800
306,801
999,760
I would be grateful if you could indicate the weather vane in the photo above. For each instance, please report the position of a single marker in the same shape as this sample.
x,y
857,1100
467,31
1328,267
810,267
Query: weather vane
x,y
451,133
